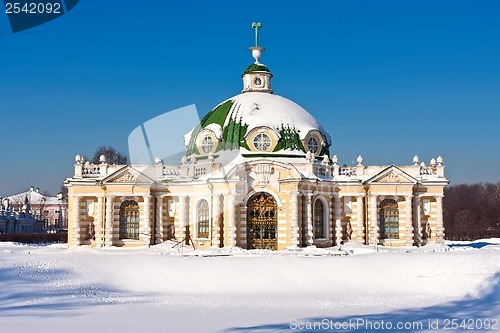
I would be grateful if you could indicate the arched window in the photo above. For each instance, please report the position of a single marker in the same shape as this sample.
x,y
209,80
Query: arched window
x,y
319,219
207,144
129,220
312,145
389,219
262,142
203,219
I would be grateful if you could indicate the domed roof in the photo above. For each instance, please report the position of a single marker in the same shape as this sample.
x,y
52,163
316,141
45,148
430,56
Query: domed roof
x,y
247,111
257,120
256,68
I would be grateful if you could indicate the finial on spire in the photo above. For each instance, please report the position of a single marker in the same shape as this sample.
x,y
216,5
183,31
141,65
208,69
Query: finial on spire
x,y
256,50
256,26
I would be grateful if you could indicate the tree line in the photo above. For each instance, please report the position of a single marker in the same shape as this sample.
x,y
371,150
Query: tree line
x,y
472,211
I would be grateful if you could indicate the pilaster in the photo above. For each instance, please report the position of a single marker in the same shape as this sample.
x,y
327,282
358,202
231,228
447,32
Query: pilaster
x,y
160,226
145,226
374,226
309,218
294,219
359,218
98,223
409,219
108,241
77,239
216,219
231,203
338,220
439,219
417,211
180,232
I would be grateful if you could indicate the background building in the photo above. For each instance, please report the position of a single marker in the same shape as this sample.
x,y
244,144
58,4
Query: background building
x,y
51,211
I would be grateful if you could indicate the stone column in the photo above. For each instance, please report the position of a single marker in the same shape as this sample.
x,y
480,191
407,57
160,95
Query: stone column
x,y
77,238
309,219
294,220
374,227
409,219
159,228
439,233
183,220
417,217
360,225
231,219
338,220
99,228
109,221
145,225
216,219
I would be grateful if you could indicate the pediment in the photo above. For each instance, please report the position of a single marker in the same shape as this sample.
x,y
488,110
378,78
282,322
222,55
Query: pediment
x,y
127,175
392,175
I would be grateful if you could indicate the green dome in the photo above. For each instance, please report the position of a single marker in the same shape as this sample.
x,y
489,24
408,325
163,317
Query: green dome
x,y
256,68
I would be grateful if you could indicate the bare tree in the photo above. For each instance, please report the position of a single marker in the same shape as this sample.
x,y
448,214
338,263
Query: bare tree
x,y
472,211
112,156
64,191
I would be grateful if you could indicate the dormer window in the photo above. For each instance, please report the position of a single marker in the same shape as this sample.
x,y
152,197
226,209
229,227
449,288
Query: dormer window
x,y
314,142
262,142
312,145
207,144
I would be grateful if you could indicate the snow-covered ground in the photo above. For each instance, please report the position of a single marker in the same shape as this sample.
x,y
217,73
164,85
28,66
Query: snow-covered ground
x,y
159,289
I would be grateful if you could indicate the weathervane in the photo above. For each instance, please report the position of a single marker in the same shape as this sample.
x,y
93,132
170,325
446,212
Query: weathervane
x,y
256,26
256,50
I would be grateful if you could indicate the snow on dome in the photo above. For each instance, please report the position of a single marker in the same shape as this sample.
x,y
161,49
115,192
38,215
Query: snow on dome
x,y
250,110
216,128
261,109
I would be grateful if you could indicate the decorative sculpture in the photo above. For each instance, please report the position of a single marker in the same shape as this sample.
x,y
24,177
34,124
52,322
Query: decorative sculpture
x,y
348,231
359,160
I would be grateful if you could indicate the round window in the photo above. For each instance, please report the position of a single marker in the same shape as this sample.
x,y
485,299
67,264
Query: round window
x,y
257,81
262,142
312,145
207,144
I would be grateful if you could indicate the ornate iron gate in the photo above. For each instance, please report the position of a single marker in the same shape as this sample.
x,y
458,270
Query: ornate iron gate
x,y
262,222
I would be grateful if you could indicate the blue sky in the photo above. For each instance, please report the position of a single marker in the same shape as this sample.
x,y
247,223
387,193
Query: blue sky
x,y
387,79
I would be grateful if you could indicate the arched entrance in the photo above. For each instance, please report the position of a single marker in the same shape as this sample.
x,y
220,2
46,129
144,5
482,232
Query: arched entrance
x,y
262,222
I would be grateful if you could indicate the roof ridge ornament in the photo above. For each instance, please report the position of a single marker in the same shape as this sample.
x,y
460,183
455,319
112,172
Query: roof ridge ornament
x,y
256,50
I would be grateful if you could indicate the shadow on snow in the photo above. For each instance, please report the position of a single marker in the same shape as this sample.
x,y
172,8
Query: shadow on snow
x,y
477,245
487,306
26,292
